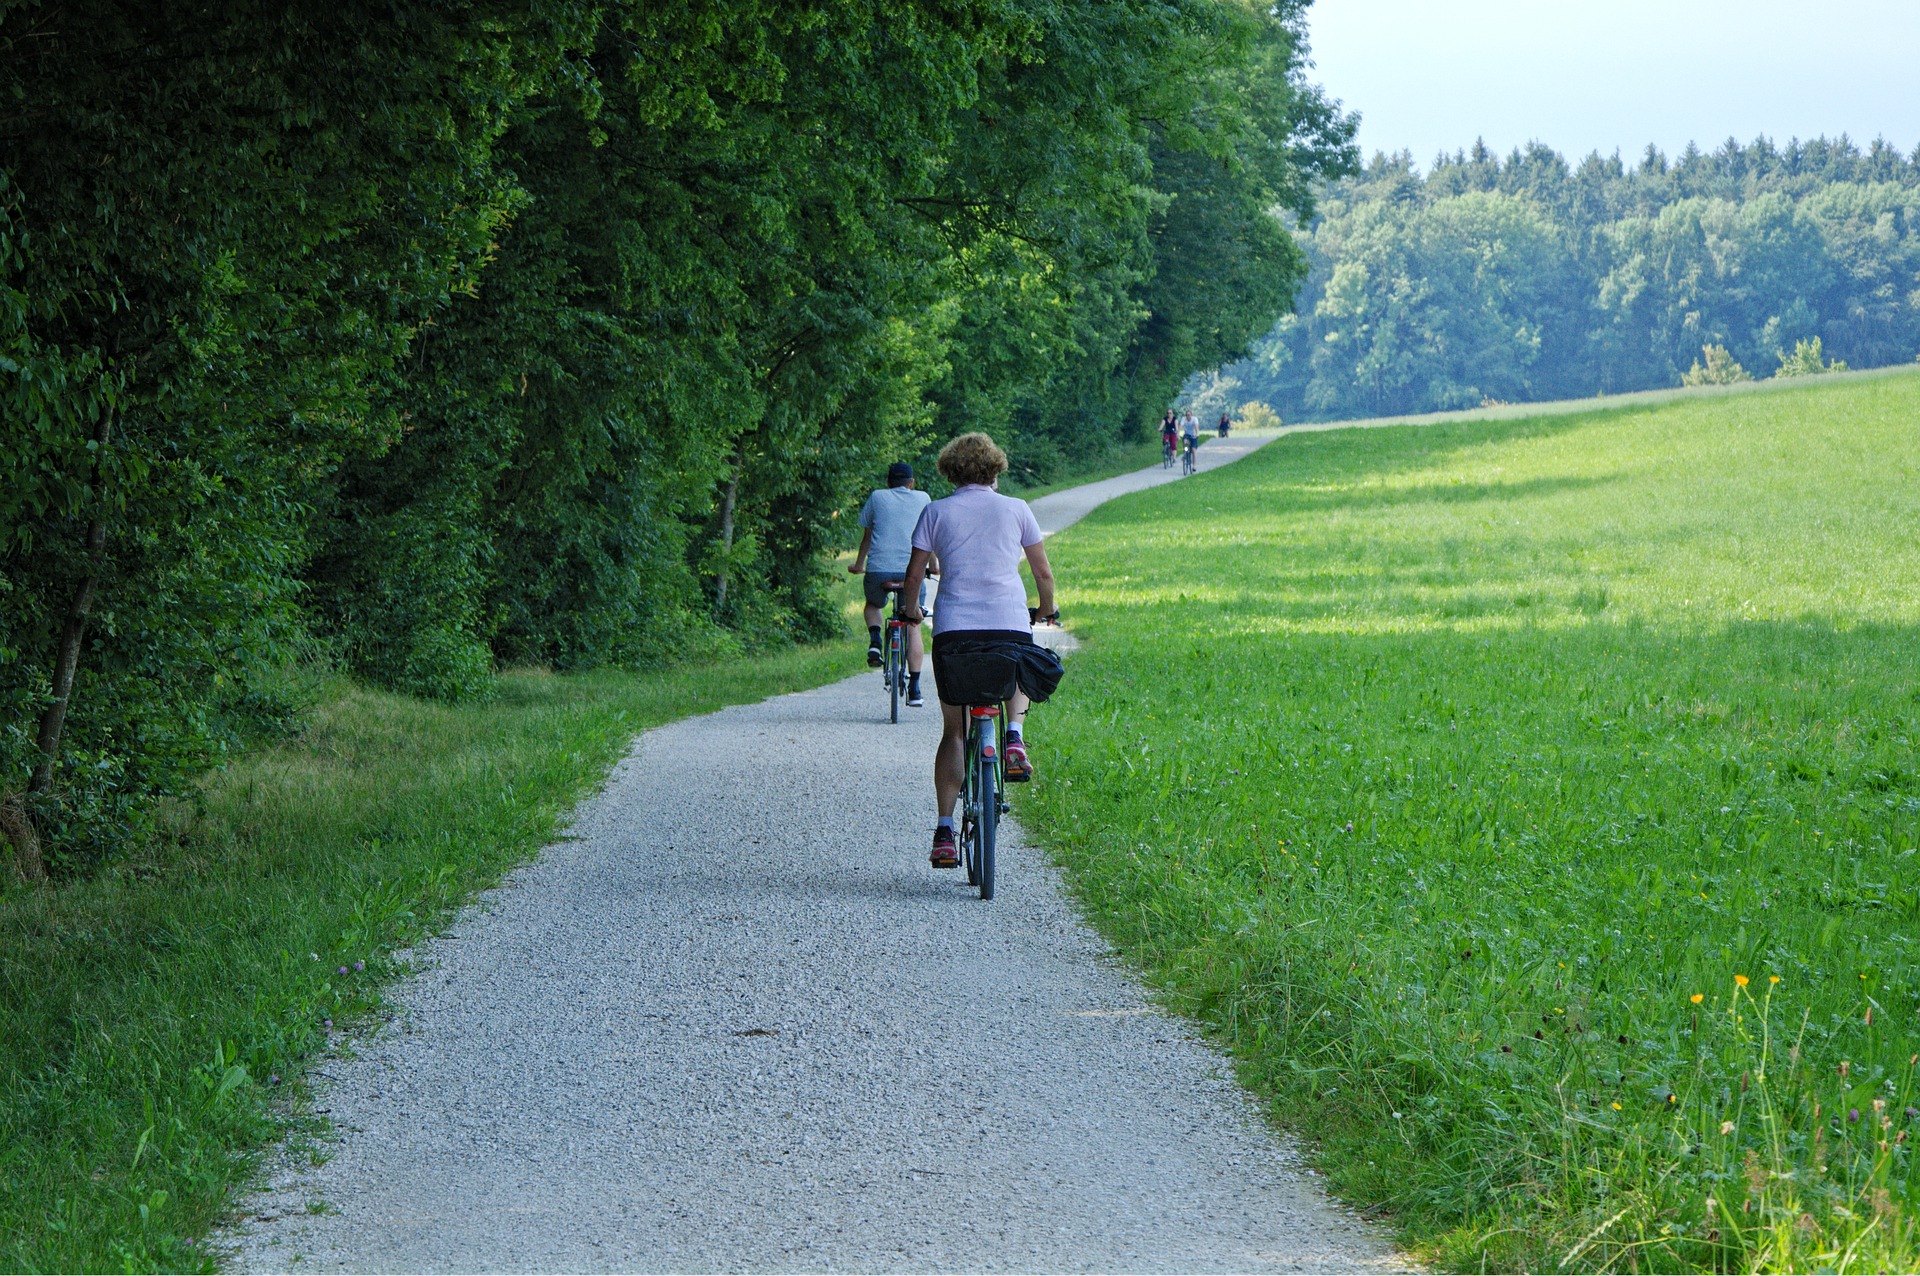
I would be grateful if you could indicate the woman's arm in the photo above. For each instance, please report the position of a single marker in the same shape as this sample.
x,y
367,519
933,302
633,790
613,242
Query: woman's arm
x,y
910,591
1042,576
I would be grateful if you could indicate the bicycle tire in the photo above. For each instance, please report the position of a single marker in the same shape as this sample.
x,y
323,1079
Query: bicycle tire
x,y
969,852
896,671
968,858
988,829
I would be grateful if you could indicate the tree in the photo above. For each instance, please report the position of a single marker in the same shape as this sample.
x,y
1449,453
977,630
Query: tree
x,y
1806,361
1720,369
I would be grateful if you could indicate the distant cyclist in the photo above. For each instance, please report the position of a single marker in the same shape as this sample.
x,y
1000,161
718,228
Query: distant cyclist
x,y
979,538
1190,432
886,546
1169,435
1226,423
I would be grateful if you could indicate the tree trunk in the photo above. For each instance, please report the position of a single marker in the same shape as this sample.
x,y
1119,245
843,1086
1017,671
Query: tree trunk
x,y
18,830
726,540
17,822
66,665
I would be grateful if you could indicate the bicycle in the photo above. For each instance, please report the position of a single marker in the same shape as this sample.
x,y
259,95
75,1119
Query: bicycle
x,y
1166,454
1187,458
983,788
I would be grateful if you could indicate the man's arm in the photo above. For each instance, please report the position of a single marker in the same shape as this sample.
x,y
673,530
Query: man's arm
x,y
860,555
910,591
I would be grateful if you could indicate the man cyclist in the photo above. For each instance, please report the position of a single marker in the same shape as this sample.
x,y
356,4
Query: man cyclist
x,y
979,538
889,517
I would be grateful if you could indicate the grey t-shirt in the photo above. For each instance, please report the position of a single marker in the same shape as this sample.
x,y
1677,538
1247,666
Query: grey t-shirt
x,y
891,513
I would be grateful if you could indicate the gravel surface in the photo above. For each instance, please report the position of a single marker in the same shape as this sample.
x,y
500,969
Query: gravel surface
x,y
736,1023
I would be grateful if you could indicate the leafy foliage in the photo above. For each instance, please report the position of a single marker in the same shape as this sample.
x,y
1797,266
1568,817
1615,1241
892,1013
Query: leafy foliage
x,y
562,333
1527,279
1720,368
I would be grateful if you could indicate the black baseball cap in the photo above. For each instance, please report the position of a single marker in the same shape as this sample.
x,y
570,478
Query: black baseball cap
x,y
899,472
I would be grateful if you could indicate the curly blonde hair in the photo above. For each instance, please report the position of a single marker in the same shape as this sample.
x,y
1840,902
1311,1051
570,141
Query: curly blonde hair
x,y
972,458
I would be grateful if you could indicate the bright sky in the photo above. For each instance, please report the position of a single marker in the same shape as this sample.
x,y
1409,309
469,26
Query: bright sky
x,y
1584,75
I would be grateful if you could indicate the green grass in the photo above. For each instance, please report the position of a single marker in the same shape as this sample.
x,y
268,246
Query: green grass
x,y
1441,769
154,1023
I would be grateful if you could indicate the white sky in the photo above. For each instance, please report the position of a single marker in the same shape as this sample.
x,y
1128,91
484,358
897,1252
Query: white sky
x,y
1584,75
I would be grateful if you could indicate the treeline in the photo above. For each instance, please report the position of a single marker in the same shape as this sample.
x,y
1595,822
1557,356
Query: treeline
x,y
428,337
1528,279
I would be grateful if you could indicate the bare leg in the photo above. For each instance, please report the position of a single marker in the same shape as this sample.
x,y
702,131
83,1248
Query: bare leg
x,y
916,650
950,762
873,616
1017,708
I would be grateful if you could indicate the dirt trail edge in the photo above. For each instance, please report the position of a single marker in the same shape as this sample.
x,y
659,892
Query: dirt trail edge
x,y
736,1023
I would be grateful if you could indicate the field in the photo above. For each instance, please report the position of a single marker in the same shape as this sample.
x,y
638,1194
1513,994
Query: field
x,y
155,1025
1531,806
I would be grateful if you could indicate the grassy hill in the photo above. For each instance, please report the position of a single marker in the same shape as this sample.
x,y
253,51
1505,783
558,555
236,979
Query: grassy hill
x,y
1531,805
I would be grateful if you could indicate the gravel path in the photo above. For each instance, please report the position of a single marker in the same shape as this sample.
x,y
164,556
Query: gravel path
x,y
735,1023
1063,509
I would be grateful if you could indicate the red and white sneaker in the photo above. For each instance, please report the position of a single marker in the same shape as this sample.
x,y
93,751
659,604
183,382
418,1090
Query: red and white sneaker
x,y
946,853
1017,768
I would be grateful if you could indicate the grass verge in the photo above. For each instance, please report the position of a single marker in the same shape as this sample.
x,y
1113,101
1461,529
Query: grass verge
x,y
1124,459
1532,807
153,1023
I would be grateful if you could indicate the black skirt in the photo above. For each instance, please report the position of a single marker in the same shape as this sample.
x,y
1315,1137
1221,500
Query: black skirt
x,y
986,666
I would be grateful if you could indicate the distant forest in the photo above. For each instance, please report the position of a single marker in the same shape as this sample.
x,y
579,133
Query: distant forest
x,y
1529,279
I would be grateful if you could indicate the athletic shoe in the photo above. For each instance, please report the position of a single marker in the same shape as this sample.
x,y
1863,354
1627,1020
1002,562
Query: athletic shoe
x,y
945,853
873,657
913,696
1017,768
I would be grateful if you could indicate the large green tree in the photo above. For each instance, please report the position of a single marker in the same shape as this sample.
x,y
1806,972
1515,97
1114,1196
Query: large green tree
x,y
431,338
220,227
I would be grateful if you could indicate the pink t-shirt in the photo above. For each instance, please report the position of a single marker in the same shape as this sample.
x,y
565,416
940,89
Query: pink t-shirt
x,y
980,538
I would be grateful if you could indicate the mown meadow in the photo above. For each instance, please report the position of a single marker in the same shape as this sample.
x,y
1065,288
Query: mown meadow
x,y
157,1023
1532,807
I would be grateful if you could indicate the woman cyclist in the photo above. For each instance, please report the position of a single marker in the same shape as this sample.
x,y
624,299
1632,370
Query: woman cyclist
x,y
979,538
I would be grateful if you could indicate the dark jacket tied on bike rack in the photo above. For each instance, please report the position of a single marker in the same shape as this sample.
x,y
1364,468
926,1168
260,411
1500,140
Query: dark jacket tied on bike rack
x,y
987,670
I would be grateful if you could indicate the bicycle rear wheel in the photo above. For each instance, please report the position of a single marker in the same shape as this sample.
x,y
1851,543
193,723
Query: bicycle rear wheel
x,y
896,671
969,806
989,822
970,849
